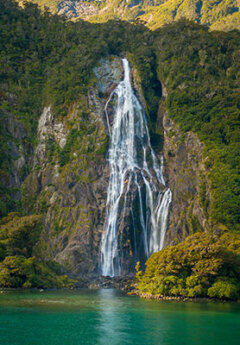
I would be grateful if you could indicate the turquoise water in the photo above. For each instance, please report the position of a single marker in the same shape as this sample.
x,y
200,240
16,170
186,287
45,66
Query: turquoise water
x,y
108,317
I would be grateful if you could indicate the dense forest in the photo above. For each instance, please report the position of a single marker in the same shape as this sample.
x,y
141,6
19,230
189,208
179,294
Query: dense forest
x,y
46,59
202,265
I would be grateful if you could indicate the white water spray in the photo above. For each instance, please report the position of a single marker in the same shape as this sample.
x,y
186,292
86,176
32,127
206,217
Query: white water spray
x,y
132,161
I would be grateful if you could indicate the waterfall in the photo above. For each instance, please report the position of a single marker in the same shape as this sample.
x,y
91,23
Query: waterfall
x,y
133,166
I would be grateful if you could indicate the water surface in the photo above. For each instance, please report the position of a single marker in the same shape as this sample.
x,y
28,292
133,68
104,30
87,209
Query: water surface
x,y
108,317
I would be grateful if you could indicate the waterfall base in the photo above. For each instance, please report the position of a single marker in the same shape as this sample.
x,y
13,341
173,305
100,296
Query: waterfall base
x,y
126,283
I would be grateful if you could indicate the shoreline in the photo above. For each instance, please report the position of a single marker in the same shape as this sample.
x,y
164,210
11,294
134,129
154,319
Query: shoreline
x,y
149,296
130,293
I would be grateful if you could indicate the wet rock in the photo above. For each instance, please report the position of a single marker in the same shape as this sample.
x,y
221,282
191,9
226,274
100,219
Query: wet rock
x,y
124,283
109,73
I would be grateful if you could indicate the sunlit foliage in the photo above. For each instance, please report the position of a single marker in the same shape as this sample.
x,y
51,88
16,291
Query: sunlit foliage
x,y
202,265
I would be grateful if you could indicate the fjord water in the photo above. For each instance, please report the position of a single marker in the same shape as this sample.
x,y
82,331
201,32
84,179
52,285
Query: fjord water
x,y
132,162
108,317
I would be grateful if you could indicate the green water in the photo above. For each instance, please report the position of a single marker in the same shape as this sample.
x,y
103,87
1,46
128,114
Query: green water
x,y
108,317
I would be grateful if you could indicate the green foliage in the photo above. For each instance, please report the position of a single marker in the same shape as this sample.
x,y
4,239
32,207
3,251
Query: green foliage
x,y
218,15
224,289
19,265
18,234
17,271
201,72
203,265
52,4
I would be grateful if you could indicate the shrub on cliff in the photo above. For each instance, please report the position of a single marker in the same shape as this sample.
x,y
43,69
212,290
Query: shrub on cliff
x,y
203,265
19,234
19,267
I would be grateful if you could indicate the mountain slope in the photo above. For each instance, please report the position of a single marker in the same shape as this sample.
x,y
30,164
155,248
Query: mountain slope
x,y
218,15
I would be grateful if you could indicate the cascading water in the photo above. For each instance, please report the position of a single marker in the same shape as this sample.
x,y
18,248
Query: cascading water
x,y
133,164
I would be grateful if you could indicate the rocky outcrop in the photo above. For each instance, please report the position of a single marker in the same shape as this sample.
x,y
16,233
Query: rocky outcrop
x,y
48,130
16,150
187,177
75,9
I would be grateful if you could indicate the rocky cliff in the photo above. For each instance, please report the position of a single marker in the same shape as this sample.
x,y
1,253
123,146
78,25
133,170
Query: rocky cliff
x,y
186,174
14,162
74,194
187,177
69,177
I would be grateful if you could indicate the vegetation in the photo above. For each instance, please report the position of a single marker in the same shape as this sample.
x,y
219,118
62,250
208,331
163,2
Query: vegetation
x,y
218,15
201,266
20,265
201,72
52,4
